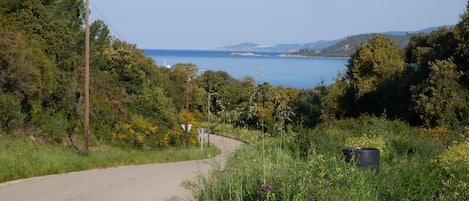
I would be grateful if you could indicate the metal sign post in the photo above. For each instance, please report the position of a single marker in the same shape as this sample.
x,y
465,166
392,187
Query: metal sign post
x,y
201,136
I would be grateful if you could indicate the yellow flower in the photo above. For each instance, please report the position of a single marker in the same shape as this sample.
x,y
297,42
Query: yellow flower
x,y
121,136
140,138
153,128
322,174
126,126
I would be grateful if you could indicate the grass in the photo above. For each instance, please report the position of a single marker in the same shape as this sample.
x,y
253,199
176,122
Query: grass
x,y
23,158
309,165
241,134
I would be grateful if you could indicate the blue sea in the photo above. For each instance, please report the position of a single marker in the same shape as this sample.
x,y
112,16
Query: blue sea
x,y
262,66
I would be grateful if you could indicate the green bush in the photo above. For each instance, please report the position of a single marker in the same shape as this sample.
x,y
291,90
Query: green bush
x,y
10,112
365,141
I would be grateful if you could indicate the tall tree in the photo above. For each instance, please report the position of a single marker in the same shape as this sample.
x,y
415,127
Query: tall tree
x,y
440,100
374,63
462,49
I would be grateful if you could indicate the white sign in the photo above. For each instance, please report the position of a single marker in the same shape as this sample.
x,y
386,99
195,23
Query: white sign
x,y
189,126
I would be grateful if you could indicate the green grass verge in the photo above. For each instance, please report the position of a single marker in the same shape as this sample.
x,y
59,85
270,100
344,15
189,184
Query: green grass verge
x,y
23,158
241,134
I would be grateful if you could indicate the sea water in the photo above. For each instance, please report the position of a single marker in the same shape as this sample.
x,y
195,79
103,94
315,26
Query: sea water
x,y
262,66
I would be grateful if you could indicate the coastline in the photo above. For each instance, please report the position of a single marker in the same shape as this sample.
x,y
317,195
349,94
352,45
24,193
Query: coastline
x,y
310,57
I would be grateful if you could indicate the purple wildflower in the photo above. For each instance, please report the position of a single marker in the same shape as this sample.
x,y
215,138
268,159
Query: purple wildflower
x,y
267,187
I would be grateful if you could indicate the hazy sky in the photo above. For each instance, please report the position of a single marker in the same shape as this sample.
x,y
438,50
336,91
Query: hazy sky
x,y
204,24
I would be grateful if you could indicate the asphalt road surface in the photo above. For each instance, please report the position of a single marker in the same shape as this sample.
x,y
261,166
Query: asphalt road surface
x,y
161,181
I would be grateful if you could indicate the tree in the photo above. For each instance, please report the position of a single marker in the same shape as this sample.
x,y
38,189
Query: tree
x,y
440,100
462,50
308,107
334,99
374,63
130,66
24,68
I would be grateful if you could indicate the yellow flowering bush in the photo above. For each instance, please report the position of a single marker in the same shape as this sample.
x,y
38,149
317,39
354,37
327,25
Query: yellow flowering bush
x,y
191,117
172,138
137,133
439,133
193,134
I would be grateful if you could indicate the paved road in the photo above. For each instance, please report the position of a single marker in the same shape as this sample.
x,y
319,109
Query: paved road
x,y
160,181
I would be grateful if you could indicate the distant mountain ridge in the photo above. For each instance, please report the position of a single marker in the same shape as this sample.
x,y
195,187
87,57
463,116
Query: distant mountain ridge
x,y
283,47
342,47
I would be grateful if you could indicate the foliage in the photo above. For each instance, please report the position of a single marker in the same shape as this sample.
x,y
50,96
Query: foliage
x,y
41,77
365,141
456,157
347,46
455,162
193,136
438,133
248,136
307,107
461,53
267,109
334,99
172,138
373,64
138,133
10,116
440,100
311,167
268,173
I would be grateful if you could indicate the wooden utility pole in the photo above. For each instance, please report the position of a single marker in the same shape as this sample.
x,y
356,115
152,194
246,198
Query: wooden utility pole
x,y
208,116
187,111
87,75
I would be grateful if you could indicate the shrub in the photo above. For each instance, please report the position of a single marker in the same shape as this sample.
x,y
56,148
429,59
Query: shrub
x,y
365,141
439,133
137,134
455,180
172,138
10,112
456,157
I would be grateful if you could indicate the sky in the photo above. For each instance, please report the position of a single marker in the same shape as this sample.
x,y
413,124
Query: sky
x,y
206,24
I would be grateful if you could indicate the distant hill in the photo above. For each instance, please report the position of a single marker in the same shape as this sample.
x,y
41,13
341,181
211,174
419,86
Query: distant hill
x,y
258,47
316,46
346,46
343,47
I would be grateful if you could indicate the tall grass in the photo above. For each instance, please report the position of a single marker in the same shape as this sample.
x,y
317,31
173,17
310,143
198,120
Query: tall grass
x,y
23,158
242,134
309,166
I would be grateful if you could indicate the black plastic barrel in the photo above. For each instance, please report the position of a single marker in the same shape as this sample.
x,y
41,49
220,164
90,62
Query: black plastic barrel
x,y
364,157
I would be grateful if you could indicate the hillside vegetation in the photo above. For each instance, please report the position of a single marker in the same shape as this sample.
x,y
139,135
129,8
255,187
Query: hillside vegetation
x,y
414,165
347,46
138,105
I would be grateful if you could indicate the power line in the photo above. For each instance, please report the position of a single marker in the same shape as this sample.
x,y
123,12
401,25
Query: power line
x,y
107,21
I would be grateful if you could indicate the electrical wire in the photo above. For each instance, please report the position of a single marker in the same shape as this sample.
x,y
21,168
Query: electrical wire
x,y
107,21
